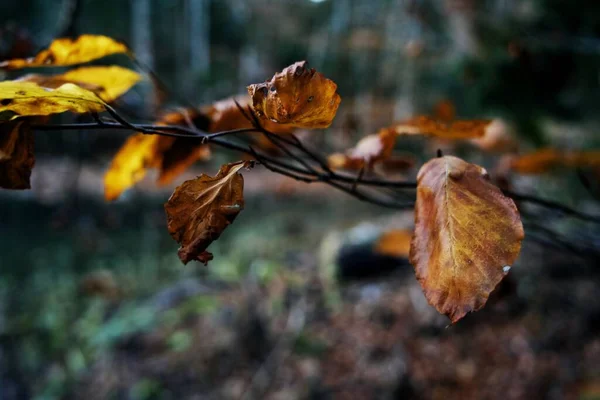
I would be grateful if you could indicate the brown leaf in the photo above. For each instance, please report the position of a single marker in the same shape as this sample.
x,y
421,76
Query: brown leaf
x,y
459,129
65,51
200,209
299,96
467,235
16,154
498,137
394,243
369,150
544,160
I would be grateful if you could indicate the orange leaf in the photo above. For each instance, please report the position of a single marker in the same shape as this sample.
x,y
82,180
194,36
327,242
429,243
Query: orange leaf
x,y
394,243
65,51
546,159
299,96
200,209
368,151
467,235
16,154
461,129
497,137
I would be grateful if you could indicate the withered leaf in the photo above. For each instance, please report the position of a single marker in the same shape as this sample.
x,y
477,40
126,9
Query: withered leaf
x,y
200,209
467,233
546,159
459,129
16,154
27,98
65,51
108,82
299,96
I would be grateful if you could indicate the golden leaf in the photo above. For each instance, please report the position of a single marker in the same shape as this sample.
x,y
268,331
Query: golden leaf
x,y
467,235
459,129
299,96
27,98
16,154
65,51
108,82
394,243
130,164
200,209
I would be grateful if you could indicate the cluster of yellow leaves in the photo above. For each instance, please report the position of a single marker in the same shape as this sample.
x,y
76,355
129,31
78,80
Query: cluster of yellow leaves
x,y
299,96
467,235
82,90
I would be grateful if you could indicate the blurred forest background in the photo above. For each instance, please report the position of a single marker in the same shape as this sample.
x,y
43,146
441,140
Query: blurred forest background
x,y
95,304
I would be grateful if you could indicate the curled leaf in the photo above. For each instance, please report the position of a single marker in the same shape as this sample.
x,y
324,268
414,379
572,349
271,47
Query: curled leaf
x,y
108,82
16,154
200,209
298,95
65,51
27,98
466,234
369,150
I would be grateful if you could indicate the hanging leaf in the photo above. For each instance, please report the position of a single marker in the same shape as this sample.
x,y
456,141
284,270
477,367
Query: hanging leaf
x,y
545,160
16,154
108,82
27,98
299,96
394,243
200,209
460,129
369,150
467,235
65,51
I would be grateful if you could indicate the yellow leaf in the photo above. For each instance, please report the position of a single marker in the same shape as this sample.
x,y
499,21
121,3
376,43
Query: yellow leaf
x,y
108,82
467,235
200,209
394,243
27,98
16,154
65,51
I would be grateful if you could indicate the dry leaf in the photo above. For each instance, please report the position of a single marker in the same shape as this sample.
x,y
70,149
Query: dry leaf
x,y
65,51
16,154
467,235
299,96
497,137
200,209
394,243
108,82
460,129
27,98
369,150
544,160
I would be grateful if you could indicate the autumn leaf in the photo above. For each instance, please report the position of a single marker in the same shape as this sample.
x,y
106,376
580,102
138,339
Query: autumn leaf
x,y
130,164
544,160
108,82
16,154
65,51
299,96
394,243
498,137
467,235
368,151
200,209
27,98
459,129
